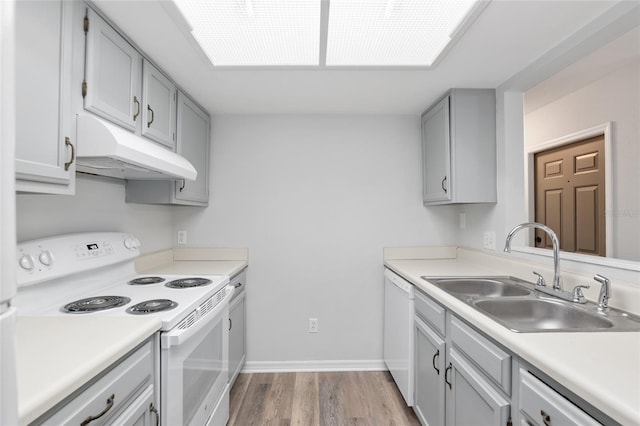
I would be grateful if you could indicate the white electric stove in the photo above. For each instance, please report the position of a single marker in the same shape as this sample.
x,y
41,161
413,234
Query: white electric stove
x,y
92,274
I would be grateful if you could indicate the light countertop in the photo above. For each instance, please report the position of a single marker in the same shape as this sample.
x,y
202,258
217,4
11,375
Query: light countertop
x,y
57,355
194,261
601,368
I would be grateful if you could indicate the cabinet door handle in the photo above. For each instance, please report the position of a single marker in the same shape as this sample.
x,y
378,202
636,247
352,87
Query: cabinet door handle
x,y
433,361
137,102
442,184
107,408
546,418
237,285
152,116
182,187
446,375
67,142
230,324
154,411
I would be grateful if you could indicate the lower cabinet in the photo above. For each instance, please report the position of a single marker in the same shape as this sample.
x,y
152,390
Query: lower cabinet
x,y
541,405
451,388
429,370
463,378
470,398
124,395
141,412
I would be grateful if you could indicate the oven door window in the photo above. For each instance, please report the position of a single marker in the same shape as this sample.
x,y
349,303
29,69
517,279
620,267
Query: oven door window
x,y
194,371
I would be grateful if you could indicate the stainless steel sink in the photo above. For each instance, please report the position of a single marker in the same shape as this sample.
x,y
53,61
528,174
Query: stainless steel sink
x,y
541,315
513,303
465,288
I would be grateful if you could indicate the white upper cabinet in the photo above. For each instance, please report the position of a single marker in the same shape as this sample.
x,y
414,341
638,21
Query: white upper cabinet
x,y
459,148
45,148
435,153
112,75
159,112
193,144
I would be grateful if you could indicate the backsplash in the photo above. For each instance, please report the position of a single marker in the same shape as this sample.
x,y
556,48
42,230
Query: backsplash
x,y
99,205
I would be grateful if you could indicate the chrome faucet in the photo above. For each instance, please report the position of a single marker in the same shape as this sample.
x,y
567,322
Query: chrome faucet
x,y
605,292
557,283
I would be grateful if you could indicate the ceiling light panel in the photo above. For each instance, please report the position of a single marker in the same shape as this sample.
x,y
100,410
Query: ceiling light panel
x,y
255,32
392,32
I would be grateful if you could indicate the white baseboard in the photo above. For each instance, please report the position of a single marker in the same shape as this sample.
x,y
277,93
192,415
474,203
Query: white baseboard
x,y
316,366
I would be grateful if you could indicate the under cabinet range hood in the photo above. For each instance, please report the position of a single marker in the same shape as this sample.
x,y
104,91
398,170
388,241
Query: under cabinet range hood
x,y
107,150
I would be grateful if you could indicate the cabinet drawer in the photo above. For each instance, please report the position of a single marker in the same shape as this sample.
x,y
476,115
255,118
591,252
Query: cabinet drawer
x,y
430,311
123,382
493,361
542,405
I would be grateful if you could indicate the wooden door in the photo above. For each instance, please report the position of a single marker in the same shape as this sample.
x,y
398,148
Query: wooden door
x,y
570,196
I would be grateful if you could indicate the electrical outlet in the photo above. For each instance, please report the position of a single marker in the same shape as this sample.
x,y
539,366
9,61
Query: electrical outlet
x,y
182,238
489,240
313,325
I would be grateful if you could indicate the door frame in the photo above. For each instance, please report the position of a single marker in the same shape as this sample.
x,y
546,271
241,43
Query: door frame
x,y
604,129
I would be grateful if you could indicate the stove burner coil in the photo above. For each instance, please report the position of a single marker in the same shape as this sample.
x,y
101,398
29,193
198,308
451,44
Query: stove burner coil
x,y
188,283
146,280
94,304
151,306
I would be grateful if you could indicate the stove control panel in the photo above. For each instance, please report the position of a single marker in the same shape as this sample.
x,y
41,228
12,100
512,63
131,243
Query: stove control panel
x,y
93,249
55,257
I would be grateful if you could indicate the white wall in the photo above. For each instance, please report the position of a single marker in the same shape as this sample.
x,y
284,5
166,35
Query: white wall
x,y
613,98
99,205
315,199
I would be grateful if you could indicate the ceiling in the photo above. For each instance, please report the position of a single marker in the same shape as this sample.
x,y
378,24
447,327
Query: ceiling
x,y
504,39
621,52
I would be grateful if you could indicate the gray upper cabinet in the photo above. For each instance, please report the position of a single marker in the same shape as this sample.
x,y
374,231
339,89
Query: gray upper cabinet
x,y
459,148
44,132
112,75
192,142
159,111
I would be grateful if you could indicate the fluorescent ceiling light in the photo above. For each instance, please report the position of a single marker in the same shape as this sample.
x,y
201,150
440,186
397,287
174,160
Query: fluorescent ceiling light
x,y
325,32
255,32
392,32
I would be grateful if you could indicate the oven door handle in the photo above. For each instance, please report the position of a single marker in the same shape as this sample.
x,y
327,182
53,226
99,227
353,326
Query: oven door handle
x,y
179,336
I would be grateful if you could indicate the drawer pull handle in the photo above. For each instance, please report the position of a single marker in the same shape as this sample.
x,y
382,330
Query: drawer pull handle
x,y
442,184
237,285
433,361
446,375
107,408
546,418
154,411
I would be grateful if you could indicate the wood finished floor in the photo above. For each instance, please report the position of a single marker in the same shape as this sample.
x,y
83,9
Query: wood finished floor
x,y
356,398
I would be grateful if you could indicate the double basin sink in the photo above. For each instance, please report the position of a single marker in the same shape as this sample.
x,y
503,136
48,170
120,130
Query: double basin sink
x,y
515,304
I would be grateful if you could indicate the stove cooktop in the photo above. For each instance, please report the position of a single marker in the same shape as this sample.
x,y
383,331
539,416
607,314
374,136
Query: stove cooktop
x,y
67,274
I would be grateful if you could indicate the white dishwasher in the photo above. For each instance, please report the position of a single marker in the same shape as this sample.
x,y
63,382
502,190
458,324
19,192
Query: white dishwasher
x,y
399,310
